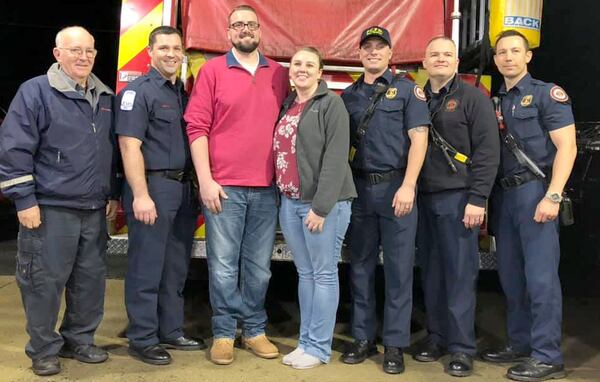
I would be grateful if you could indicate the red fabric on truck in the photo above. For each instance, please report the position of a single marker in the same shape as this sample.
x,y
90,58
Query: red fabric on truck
x,y
332,26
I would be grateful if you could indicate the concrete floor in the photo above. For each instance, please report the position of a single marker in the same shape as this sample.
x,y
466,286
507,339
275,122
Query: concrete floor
x,y
581,346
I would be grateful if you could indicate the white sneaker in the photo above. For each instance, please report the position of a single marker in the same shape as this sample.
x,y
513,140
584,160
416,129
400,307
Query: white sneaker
x,y
291,357
306,361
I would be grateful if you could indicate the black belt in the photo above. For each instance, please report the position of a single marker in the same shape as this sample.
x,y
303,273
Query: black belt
x,y
378,177
178,175
517,180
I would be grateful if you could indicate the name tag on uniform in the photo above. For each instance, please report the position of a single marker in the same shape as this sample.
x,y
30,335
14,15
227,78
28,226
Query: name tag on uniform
x,y
127,100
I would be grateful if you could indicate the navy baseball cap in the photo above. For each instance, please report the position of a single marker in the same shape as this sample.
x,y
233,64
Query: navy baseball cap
x,y
376,31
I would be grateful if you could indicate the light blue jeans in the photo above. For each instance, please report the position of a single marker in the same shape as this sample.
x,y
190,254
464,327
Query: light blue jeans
x,y
239,245
316,257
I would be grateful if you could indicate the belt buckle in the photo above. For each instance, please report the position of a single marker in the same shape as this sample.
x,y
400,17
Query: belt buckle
x,y
375,177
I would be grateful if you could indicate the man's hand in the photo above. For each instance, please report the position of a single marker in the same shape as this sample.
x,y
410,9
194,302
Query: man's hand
x,y
314,222
111,209
211,193
144,209
403,200
546,211
30,217
473,216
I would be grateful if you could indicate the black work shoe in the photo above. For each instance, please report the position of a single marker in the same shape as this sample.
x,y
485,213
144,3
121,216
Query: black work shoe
x,y
153,354
46,366
429,351
393,360
461,365
358,351
184,343
84,353
534,370
506,354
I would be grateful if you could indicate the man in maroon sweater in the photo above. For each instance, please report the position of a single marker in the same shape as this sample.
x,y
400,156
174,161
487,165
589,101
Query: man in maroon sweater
x,y
231,116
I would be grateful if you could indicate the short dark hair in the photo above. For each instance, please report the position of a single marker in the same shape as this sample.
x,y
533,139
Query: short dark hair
x,y
511,33
313,50
241,7
163,29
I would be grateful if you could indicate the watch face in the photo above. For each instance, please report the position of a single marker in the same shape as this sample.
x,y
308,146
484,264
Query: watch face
x,y
554,197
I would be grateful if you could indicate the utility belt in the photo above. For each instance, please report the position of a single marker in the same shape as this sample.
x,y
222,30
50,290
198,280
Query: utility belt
x,y
516,180
378,177
178,175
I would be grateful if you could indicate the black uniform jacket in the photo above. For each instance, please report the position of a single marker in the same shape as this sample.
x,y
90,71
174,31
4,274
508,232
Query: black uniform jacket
x,y
465,118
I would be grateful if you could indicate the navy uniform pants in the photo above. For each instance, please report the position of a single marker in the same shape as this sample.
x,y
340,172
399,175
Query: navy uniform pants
x,y
67,251
528,258
374,223
449,261
158,259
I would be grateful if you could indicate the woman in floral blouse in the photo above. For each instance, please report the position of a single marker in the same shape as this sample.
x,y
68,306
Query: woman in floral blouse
x,y
311,145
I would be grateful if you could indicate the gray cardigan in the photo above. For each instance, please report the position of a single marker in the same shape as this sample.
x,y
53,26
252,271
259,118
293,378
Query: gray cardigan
x,y
322,144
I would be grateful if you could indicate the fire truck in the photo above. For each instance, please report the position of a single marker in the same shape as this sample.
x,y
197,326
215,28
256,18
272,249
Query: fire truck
x,y
332,27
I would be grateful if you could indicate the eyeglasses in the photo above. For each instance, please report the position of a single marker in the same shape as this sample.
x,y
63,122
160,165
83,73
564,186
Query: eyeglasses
x,y
77,52
239,25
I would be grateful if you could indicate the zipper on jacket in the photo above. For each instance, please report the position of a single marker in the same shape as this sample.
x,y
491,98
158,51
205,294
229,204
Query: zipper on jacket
x,y
58,157
94,127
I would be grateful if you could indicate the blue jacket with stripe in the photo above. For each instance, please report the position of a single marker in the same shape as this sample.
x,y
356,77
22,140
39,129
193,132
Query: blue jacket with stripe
x,y
55,148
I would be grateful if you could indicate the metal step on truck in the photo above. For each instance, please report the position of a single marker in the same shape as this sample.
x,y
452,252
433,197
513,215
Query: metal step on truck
x,y
332,27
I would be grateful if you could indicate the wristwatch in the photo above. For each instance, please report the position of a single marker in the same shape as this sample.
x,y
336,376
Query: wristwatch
x,y
554,197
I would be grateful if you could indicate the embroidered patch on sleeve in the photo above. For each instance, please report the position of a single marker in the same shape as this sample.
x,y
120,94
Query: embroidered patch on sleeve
x,y
558,94
419,93
127,100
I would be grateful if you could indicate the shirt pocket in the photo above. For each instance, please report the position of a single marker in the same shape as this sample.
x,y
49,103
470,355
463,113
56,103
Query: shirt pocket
x,y
529,132
165,117
527,123
391,113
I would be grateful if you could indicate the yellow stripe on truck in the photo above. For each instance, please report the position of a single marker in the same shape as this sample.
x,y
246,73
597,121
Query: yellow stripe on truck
x,y
135,39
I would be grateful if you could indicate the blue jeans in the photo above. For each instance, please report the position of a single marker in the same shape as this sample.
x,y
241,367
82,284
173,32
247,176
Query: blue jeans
x,y
239,245
316,257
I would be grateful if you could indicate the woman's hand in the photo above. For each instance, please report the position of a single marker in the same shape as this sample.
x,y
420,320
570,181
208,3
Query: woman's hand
x,y
314,222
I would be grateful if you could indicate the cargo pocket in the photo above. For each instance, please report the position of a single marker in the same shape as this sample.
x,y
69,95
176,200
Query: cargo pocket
x,y
28,248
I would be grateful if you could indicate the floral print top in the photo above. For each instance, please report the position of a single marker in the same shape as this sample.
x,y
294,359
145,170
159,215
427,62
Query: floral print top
x,y
284,149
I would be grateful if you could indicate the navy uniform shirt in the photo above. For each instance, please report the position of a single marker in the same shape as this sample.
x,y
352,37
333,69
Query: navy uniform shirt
x,y
151,110
531,110
386,143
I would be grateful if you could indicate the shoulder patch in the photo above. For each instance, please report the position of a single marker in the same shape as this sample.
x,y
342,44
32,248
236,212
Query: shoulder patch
x,y
419,93
558,94
127,100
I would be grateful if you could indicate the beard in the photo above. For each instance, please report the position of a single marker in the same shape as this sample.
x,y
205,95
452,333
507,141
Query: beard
x,y
246,47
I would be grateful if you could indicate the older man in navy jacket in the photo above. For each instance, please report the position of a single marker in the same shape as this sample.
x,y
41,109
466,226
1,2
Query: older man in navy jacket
x,y
57,165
